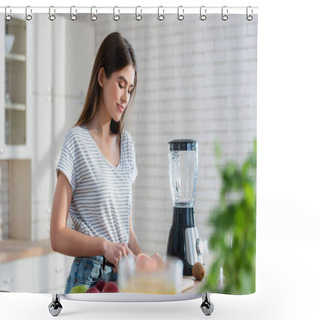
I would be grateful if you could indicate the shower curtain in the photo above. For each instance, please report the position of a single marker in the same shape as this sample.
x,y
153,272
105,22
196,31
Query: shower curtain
x,y
197,79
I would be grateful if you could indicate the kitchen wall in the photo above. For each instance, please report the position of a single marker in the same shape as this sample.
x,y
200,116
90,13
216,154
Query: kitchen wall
x,y
195,80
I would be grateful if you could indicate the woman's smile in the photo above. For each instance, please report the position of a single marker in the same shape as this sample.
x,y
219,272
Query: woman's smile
x,y
121,107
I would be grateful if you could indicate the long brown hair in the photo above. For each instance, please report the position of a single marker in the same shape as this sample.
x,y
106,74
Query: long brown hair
x,y
115,53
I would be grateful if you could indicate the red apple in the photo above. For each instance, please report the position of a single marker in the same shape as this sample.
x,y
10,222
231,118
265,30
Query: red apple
x,y
110,287
93,290
100,285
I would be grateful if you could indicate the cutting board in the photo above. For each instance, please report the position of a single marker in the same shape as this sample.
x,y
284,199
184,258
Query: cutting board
x,y
187,284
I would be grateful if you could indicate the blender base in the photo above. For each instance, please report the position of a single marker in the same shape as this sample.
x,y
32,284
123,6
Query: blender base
x,y
183,241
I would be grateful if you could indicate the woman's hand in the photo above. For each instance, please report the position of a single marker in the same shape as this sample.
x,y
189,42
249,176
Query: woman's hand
x,y
114,252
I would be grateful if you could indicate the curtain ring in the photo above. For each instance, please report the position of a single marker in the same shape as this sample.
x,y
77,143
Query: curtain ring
x,y
27,13
249,17
138,16
52,17
116,17
7,16
224,13
160,15
93,15
180,15
73,15
203,13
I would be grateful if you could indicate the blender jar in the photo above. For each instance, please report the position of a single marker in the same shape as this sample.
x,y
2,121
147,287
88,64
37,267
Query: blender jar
x,y
183,167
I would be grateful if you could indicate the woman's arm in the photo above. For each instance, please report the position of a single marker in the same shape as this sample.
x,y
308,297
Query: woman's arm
x,y
74,243
133,241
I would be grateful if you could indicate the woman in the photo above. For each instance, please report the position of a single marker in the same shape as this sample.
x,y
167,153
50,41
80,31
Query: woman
x,y
95,173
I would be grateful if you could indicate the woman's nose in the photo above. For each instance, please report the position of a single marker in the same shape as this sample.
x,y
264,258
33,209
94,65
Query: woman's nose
x,y
124,97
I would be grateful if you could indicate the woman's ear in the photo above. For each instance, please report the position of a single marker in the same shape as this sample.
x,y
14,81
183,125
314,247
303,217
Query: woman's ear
x,y
101,75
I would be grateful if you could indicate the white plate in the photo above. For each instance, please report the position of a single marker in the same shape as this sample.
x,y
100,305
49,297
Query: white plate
x,y
129,297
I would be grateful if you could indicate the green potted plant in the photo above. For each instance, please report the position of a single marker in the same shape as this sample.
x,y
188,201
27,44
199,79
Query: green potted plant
x,y
233,222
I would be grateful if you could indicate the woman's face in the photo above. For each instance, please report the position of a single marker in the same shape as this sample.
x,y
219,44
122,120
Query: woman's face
x,y
116,91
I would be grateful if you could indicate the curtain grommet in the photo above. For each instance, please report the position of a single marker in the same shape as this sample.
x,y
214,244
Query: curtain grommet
x,y
224,13
116,16
249,16
203,13
52,10
180,13
138,16
160,15
7,16
93,16
28,12
73,15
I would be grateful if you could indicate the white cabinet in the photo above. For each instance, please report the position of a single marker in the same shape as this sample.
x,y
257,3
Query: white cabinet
x,y
49,60
17,275
51,272
15,101
45,77
73,58
64,53
41,274
46,100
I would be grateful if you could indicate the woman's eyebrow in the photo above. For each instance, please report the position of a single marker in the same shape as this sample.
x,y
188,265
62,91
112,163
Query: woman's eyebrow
x,y
124,79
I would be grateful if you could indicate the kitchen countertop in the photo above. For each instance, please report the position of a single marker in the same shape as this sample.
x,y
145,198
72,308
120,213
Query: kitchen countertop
x,y
196,287
18,249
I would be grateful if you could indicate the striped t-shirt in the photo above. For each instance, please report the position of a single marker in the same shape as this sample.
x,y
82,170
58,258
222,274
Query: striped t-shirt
x,y
101,193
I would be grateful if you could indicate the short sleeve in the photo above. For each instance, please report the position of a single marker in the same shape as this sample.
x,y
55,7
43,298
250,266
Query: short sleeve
x,y
133,170
66,165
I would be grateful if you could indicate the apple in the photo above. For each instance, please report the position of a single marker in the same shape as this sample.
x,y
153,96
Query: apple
x,y
93,290
79,289
100,285
110,287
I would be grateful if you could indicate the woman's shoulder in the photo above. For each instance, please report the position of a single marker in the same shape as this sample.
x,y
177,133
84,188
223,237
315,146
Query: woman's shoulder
x,y
126,136
75,137
75,132
128,143
130,154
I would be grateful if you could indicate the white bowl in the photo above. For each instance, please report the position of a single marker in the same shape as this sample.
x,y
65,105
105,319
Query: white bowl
x,y
9,42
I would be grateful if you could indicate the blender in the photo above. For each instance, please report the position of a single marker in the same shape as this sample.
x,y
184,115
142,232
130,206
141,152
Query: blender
x,y
184,241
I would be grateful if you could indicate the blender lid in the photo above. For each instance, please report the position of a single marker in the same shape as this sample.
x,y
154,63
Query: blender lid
x,y
183,145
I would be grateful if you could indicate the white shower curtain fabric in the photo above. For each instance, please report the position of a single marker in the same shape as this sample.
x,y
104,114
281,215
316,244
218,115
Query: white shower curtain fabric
x,y
196,80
